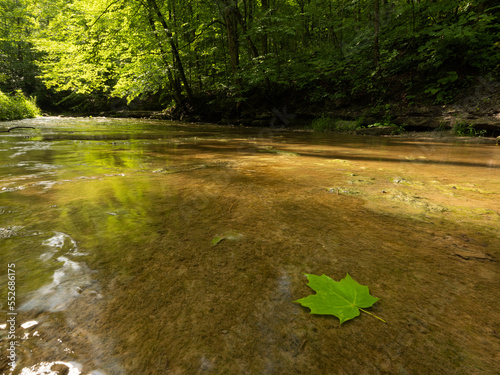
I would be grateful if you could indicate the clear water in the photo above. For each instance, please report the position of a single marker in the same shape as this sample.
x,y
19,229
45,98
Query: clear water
x,y
149,247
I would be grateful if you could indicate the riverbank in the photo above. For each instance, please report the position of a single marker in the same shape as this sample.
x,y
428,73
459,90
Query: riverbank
x,y
436,135
475,112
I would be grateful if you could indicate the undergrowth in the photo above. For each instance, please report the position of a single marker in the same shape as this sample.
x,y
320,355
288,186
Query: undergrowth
x,y
468,130
17,106
326,123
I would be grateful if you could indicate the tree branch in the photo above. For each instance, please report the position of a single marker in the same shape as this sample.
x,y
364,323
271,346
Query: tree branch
x,y
16,127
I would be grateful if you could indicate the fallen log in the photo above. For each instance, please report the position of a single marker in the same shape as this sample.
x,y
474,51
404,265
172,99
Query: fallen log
x,y
16,127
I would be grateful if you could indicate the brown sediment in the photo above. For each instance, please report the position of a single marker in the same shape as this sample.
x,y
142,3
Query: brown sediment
x,y
415,221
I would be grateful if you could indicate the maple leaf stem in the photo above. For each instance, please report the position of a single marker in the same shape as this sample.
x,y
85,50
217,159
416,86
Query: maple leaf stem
x,y
375,316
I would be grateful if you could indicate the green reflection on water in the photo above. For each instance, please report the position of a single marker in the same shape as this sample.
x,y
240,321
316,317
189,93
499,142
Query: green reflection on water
x,y
101,196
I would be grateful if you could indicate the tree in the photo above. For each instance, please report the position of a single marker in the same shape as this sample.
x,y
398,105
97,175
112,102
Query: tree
x,y
229,11
17,56
376,31
180,51
153,9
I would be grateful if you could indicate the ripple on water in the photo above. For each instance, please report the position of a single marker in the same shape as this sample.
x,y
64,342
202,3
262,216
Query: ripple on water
x,y
67,281
10,231
29,146
53,368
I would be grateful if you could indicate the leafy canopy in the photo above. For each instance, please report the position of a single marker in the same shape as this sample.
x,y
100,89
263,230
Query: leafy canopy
x,y
342,298
328,51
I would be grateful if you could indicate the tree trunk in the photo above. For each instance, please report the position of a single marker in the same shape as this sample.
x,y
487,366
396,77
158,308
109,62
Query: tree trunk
x,y
231,22
173,82
175,52
243,25
376,26
264,41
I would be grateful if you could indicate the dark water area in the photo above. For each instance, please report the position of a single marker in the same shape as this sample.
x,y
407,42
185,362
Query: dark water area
x,y
156,247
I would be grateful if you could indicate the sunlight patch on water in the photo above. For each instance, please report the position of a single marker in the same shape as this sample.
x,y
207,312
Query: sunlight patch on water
x,y
67,281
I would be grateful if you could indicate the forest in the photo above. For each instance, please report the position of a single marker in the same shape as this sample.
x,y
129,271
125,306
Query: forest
x,y
249,187
216,59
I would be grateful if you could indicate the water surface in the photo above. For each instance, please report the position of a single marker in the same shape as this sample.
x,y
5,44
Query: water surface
x,y
150,247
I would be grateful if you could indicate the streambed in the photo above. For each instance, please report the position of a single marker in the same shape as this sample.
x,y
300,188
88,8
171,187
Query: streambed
x,y
154,247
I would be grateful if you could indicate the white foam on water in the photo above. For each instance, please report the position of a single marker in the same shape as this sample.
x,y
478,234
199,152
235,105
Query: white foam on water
x,y
56,243
44,368
58,240
46,256
63,289
66,281
36,165
30,146
29,324
9,190
46,184
9,231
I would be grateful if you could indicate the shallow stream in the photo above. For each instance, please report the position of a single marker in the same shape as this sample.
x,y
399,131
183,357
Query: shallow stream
x,y
150,247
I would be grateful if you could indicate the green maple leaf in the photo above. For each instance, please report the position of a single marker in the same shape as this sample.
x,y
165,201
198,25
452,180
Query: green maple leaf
x,y
342,298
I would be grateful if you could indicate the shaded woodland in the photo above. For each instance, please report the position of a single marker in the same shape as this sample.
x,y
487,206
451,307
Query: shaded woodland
x,y
223,58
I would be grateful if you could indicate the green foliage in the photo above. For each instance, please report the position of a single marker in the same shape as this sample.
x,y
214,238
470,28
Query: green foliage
x,y
460,36
17,107
171,50
344,298
460,40
464,129
442,90
216,240
384,111
17,57
325,124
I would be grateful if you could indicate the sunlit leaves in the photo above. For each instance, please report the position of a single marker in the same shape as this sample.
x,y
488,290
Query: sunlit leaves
x,y
17,107
121,48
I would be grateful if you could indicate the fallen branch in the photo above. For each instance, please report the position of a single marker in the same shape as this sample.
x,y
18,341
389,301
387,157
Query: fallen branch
x,y
16,127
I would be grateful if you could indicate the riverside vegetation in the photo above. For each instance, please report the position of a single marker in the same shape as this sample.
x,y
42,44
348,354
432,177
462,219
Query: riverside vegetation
x,y
17,107
222,60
